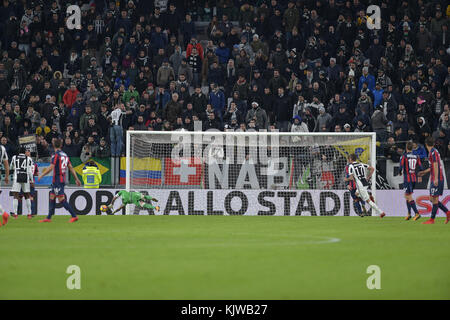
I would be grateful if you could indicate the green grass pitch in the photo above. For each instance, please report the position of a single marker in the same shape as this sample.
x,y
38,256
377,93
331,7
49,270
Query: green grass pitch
x,y
224,257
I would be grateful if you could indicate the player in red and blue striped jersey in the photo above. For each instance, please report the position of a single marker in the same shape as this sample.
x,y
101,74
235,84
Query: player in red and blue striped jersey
x,y
357,201
409,165
60,162
436,181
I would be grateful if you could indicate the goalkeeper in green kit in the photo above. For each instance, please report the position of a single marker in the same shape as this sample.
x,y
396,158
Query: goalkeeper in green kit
x,y
132,197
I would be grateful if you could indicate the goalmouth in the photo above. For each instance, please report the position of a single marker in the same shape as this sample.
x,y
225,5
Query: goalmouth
x,y
245,173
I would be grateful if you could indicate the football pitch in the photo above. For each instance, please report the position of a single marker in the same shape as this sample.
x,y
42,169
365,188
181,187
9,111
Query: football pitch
x,y
225,257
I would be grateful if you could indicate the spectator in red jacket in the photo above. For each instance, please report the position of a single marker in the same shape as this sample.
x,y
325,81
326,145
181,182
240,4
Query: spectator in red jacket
x,y
194,44
70,96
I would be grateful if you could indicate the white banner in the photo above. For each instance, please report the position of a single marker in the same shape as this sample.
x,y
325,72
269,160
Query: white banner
x,y
236,202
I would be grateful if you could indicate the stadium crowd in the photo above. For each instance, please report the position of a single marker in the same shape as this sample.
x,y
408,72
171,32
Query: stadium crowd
x,y
303,66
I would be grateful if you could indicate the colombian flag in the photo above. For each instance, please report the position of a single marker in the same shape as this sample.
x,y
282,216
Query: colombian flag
x,y
144,171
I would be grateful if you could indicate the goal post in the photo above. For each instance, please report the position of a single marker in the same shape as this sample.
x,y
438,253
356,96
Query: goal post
x,y
217,172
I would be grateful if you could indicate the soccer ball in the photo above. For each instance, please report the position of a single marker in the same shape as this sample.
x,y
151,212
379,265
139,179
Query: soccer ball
x,y
103,208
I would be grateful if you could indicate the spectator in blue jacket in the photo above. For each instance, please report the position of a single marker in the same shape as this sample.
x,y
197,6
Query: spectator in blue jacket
x,y
419,150
158,40
377,95
56,61
74,118
122,80
131,48
366,77
215,74
124,22
217,100
188,29
223,53
161,99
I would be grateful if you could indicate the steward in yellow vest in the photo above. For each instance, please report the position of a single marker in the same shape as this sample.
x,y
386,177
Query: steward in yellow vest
x,y
91,176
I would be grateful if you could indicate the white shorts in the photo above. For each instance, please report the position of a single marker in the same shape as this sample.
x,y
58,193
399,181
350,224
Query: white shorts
x,y
24,187
362,191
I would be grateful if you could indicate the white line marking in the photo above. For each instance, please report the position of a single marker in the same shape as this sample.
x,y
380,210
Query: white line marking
x,y
292,241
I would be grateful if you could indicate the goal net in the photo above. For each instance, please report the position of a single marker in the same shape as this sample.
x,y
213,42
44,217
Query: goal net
x,y
251,173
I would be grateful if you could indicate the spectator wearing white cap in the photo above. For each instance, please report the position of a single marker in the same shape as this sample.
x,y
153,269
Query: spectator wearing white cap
x,y
258,114
323,120
47,108
347,128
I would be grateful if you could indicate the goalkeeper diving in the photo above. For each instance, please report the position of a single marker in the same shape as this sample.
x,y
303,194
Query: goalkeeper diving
x,y
132,197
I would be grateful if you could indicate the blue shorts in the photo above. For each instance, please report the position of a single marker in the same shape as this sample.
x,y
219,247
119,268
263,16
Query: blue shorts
x,y
438,190
354,196
409,187
57,189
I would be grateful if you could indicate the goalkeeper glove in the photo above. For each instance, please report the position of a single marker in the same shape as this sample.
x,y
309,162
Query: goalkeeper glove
x,y
154,199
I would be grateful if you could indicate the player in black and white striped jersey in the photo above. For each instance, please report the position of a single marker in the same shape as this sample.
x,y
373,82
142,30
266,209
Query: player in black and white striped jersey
x,y
358,173
23,167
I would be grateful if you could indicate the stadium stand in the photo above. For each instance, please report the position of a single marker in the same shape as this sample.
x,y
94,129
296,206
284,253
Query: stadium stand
x,y
166,64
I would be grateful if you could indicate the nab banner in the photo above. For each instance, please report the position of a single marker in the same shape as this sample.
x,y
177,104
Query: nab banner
x,y
236,202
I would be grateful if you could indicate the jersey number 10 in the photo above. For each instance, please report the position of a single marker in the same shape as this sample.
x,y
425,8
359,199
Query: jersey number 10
x,y
412,164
